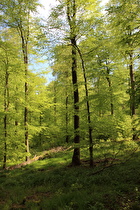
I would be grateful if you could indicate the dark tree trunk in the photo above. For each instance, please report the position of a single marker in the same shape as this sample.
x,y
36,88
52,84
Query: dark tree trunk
x,y
24,40
76,154
110,90
6,106
132,94
66,107
71,15
132,86
26,106
16,109
88,109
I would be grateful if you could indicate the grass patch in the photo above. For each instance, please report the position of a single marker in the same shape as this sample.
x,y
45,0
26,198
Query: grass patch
x,y
52,184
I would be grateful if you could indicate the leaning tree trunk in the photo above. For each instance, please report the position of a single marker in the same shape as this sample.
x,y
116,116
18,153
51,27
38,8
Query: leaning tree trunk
x,y
71,15
88,109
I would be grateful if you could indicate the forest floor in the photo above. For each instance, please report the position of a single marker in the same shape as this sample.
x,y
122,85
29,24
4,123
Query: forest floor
x,y
44,155
51,183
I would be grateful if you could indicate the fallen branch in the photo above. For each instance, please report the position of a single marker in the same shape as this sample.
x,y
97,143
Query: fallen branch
x,y
114,164
36,158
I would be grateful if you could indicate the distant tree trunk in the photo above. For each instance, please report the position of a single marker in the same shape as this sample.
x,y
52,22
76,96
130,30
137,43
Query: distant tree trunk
x,y
71,15
40,123
132,93
97,86
6,106
67,119
55,119
5,142
66,105
110,90
88,109
16,109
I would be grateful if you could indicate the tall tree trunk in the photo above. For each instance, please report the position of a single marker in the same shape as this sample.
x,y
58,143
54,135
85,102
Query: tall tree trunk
x,y
76,154
71,15
88,109
6,106
24,35
132,93
26,116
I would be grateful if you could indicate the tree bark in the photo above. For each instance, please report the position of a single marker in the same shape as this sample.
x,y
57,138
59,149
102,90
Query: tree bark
x,y
132,93
6,106
71,15
110,90
24,40
76,154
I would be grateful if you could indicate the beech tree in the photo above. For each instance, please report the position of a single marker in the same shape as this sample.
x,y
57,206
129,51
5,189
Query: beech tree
x,y
71,15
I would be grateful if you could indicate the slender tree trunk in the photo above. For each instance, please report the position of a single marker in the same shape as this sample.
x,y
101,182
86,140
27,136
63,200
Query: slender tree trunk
x,y
71,15
40,134
132,93
5,143
55,119
6,106
100,112
67,119
16,109
66,105
110,90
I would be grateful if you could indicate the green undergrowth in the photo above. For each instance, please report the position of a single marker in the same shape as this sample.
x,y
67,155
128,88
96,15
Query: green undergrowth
x,y
52,184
